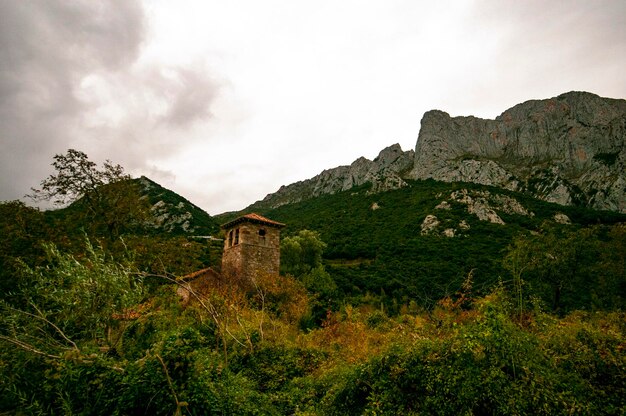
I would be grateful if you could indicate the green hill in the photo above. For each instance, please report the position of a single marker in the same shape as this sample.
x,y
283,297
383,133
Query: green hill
x,y
383,250
164,211
174,214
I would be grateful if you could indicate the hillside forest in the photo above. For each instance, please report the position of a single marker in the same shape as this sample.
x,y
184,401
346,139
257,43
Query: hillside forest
x,y
435,298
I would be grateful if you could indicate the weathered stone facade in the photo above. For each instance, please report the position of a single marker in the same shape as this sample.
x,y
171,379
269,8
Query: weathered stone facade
x,y
251,246
200,283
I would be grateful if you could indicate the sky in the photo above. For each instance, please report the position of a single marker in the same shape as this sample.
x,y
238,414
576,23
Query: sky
x,y
225,101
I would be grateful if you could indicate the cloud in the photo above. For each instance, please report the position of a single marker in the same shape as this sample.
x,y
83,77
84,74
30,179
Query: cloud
x,y
45,50
71,75
189,92
536,49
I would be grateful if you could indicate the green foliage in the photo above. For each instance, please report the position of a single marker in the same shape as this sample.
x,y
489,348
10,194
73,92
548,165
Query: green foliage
x,y
71,299
301,256
319,281
490,366
21,230
177,255
275,368
373,250
470,357
54,327
421,329
301,253
571,268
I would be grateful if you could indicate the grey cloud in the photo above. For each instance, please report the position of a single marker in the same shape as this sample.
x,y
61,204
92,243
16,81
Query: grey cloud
x,y
191,99
46,47
165,101
188,93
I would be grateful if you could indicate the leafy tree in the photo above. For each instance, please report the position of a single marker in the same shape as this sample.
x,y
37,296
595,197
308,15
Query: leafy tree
x,y
570,267
301,253
301,256
77,177
611,272
107,202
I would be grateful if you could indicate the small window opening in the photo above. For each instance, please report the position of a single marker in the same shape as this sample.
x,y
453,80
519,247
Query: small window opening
x,y
262,236
230,238
237,236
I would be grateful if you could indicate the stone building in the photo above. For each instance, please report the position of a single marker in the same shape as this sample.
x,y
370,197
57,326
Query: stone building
x,y
251,246
200,282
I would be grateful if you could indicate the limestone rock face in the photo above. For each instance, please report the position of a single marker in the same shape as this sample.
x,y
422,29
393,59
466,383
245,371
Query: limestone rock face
x,y
429,224
569,150
171,213
385,172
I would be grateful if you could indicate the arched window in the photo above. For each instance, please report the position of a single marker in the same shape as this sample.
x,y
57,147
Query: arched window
x,y
262,236
230,238
237,236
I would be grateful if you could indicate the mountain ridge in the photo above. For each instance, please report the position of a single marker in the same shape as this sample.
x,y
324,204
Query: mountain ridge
x,y
387,171
568,149
174,214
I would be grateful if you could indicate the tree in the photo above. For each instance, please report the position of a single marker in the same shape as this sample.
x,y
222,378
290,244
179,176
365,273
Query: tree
x,y
301,256
76,177
301,253
567,266
107,200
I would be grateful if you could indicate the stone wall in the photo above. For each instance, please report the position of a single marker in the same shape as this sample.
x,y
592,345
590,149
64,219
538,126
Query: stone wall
x,y
249,249
200,282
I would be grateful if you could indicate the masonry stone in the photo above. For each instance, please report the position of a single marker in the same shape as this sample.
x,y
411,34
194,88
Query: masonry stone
x,y
251,248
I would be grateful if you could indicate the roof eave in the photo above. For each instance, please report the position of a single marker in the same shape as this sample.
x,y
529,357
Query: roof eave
x,y
252,220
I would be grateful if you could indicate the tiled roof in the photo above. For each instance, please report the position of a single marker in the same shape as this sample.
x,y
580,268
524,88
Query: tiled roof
x,y
253,217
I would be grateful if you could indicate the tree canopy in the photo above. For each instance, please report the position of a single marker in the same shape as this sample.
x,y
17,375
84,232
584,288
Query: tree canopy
x,y
110,203
76,177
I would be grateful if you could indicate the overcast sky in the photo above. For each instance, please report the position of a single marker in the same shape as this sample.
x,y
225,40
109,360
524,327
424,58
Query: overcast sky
x,y
225,101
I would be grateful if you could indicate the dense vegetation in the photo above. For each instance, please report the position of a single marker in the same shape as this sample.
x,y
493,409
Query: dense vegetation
x,y
370,317
376,253
86,340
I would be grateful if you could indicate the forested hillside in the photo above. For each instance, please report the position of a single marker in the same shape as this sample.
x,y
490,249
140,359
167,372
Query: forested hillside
x,y
382,251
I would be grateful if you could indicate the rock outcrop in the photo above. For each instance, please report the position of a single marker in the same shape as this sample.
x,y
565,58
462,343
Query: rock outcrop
x,y
484,205
385,172
173,214
569,150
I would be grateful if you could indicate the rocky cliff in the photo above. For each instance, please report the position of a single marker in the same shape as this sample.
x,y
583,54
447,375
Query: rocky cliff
x,y
171,213
569,150
385,172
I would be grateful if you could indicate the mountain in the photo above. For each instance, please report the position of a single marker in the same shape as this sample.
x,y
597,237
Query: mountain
x,y
139,206
569,150
423,240
173,214
384,172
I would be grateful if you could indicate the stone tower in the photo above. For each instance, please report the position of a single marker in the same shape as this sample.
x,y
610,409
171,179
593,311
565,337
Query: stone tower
x,y
251,246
